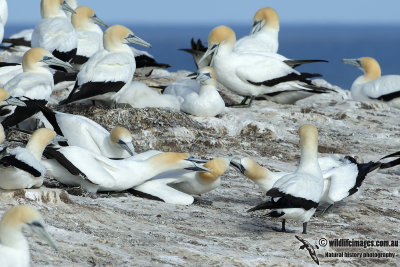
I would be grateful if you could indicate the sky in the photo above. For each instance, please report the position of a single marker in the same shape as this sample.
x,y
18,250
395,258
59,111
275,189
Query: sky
x,y
224,11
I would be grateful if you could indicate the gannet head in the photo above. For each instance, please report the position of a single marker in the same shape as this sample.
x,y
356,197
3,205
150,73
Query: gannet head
x,y
54,8
216,168
117,37
309,139
122,137
39,140
36,58
219,36
207,76
84,18
250,169
23,216
368,65
265,18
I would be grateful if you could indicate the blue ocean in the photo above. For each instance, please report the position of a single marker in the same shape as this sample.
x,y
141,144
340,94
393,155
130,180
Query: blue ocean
x,y
329,42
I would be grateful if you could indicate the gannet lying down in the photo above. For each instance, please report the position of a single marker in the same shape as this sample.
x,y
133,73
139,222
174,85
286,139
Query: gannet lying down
x,y
21,168
14,248
76,166
372,86
296,195
178,187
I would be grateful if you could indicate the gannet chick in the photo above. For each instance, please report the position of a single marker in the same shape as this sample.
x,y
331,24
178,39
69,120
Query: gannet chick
x,y
76,166
90,35
372,86
296,195
14,248
178,187
55,32
251,75
21,168
108,71
204,101
33,86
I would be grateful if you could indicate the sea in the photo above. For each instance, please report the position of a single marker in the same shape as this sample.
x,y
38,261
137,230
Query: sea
x,y
329,42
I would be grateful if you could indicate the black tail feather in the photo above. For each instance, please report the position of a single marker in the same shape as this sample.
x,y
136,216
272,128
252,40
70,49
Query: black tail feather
x,y
295,63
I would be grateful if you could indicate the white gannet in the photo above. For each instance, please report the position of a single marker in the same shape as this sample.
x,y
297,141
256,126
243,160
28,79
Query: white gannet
x,y
85,133
55,32
296,195
14,248
372,86
177,188
76,166
21,168
33,85
108,71
204,101
3,17
251,75
90,35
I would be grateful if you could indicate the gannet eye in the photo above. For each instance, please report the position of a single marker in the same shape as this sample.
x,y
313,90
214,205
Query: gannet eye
x,y
37,224
46,58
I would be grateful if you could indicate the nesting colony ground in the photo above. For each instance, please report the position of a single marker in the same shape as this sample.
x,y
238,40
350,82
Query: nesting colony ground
x,y
124,230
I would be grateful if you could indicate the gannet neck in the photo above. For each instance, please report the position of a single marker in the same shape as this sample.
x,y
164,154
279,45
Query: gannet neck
x,y
2,134
114,39
167,161
254,171
51,9
217,167
371,68
39,140
32,60
309,147
4,94
81,19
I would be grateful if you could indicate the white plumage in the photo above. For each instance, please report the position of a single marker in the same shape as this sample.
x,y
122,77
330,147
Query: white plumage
x,y
3,17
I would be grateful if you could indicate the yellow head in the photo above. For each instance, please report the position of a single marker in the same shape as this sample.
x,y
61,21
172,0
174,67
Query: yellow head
x,y
120,133
217,167
4,94
371,68
221,34
269,16
82,17
252,169
34,56
115,37
39,140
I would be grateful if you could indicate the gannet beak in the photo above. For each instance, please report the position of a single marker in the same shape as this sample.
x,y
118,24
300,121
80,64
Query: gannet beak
x,y
210,51
197,168
257,26
98,21
38,229
133,39
127,146
238,166
192,75
202,77
60,138
15,102
67,8
57,62
354,62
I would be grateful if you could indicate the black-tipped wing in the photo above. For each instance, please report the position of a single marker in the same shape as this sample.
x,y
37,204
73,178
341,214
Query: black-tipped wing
x,y
51,152
363,170
11,160
22,113
303,77
65,56
388,97
8,64
145,61
17,42
61,76
295,63
79,60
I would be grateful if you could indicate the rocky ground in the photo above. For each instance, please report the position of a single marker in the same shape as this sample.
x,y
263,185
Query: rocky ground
x,y
119,229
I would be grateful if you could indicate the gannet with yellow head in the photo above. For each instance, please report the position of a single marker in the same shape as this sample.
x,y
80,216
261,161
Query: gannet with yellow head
x,y
55,32
14,248
250,74
372,86
296,195
108,71
21,168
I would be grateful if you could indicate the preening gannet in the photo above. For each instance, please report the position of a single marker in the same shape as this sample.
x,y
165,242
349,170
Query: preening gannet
x,y
204,101
296,195
55,32
76,166
14,248
85,133
372,86
108,71
251,75
21,168
177,188
33,85
90,35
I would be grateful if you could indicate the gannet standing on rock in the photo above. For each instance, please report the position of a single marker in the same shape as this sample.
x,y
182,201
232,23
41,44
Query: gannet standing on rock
x,y
108,71
55,32
204,101
372,86
251,75
296,196
21,168
14,248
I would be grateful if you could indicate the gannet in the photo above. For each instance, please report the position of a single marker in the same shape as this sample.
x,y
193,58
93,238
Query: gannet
x,y
76,166
85,133
372,86
55,32
21,168
8,102
14,248
33,85
3,17
296,195
177,188
204,101
251,75
108,71
90,35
